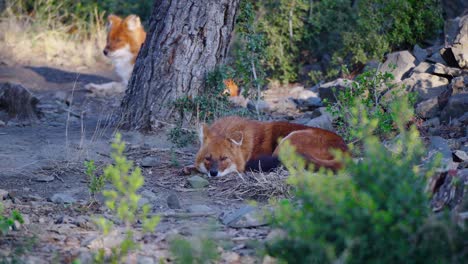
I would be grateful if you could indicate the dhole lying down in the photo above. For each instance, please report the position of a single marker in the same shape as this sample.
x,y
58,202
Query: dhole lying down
x,y
235,144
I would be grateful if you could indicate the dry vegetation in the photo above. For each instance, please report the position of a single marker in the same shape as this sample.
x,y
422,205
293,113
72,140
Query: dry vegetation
x,y
42,36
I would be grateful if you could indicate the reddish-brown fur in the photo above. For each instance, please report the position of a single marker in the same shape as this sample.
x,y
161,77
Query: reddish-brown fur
x,y
119,34
235,140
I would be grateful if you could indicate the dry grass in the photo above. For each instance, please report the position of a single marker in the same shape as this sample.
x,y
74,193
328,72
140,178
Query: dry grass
x,y
41,37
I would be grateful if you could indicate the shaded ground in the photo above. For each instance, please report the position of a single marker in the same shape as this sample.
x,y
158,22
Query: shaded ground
x,y
46,159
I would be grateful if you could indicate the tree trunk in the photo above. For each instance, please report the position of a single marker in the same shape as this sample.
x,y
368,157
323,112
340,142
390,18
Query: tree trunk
x,y
186,40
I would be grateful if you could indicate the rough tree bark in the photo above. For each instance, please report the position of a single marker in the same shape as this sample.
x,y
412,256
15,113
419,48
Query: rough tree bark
x,y
186,39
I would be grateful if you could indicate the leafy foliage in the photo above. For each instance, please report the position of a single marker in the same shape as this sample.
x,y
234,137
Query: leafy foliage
x,y
95,182
123,202
375,211
199,250
368,89
338,32
6,222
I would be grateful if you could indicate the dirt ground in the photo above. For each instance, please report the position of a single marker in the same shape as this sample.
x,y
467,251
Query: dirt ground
x,y
46,158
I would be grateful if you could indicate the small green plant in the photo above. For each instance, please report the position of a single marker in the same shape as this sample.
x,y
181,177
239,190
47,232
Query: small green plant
x,y
95,183
368,90
123,200
194,251
6,222
374,211
181,137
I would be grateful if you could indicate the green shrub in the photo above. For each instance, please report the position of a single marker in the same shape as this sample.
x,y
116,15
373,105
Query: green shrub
x,y
123,200
194,251
95,182
368,89
375,211
6,222
348,32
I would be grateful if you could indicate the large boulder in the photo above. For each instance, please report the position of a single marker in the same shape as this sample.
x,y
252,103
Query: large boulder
x,y
456,54
457,106
18,102
454,8
330,90
426,85
399,64
428,108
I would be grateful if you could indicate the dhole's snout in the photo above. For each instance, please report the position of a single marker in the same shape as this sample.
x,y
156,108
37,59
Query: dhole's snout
x,y
106,51
214,169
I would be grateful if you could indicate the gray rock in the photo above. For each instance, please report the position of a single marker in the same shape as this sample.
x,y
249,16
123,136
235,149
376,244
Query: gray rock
x,y
151,162
149,195
198,182
426,85
246,216
60,198
433,122
3,194
428,108
145,260
423,67
457,106
442,69
331,89
200,209
44,179
2,124
441,145
460,155
454,8
436,57
324,121
459,44
143,201
260,105
402,60
459,85
173,201
419,53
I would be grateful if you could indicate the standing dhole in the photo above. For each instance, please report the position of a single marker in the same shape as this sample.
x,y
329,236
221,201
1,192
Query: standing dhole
x,y
235,144
124,39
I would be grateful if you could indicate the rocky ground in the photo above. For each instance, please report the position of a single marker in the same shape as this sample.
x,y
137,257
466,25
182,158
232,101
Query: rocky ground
x,y
42,172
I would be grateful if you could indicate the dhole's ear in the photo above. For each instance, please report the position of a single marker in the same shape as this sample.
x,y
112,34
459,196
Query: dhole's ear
x,y
133,22
237,138
112,20
203,133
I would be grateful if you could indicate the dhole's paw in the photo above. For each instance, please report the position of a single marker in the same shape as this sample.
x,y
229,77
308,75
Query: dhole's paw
x,y
105,89
187,170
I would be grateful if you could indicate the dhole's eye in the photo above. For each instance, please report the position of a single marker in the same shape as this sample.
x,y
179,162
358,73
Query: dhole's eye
x,y
223,158
207,158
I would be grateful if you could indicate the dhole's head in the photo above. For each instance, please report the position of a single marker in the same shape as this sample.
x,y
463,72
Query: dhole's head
x,y
219,155
124,37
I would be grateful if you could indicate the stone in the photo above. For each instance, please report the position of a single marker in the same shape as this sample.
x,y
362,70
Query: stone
x,y
44,178
423,67
2,124
419,53
330,90
151,162
426,85
455,54
433,122
145,260
3,194
459,85
200,209
306,100
457,106
325,121
454,8
60,198
441,69
198,182
402,60
428,108
173,201
436,57
460,156
149,195
441,145
260,105
246,216
19,102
